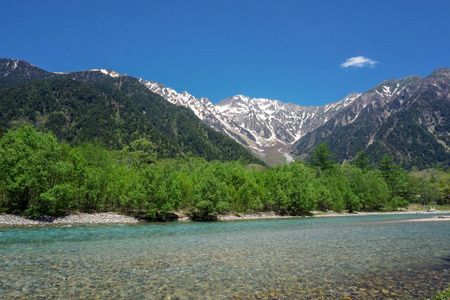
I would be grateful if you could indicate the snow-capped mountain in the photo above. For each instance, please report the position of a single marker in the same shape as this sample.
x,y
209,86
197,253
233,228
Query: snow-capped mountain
x,y
272,122
262,125
202,107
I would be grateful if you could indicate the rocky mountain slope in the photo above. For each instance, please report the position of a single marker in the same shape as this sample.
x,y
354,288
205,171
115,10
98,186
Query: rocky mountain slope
x,y
267,127
406,118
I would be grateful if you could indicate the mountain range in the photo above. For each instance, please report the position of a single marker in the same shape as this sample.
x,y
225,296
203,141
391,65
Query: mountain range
x,y
102,107
406,118
268,127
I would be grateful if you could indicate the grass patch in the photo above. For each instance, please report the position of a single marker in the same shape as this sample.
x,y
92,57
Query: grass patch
x,y
442,295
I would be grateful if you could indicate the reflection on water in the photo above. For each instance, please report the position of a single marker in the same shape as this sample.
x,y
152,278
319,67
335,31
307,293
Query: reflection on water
x,y
336,258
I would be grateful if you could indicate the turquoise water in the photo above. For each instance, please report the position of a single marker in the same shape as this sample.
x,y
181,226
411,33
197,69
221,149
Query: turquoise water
x,y
376,257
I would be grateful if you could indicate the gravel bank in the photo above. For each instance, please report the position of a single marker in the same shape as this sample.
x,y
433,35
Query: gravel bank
x,y
98,218
114,218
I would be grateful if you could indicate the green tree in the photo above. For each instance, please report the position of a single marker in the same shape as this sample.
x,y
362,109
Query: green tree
x,y
211,197
370,188
29,169
388,168
162,190
323,196
289,190
140,152
322,158
395,177
443,185
362,161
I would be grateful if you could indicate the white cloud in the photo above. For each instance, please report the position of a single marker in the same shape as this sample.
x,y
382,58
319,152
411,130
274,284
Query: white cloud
x,y
358,62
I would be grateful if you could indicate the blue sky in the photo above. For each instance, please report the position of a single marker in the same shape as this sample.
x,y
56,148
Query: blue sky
x,y
294,51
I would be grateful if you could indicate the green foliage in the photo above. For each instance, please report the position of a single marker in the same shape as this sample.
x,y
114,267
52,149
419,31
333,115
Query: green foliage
x,y
362,161
388,168
289,189
162,191
322,158
397,202
56,200
395,177
41,176
341,195
429,186
28,168
442,295
141,152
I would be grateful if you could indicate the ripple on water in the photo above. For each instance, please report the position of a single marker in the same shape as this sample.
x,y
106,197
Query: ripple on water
x,y
358,257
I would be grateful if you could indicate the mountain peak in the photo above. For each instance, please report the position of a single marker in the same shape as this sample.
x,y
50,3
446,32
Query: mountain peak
x,y
234,100
13,64
440,72
16,71
240,98
389,88
10,63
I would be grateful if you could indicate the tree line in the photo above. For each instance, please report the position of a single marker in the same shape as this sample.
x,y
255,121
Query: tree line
x,y
41,176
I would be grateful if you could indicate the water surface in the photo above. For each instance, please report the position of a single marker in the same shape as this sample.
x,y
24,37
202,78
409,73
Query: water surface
x,y
370,257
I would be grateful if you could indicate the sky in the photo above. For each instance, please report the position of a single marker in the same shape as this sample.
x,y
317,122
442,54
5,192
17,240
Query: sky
x,y
310,52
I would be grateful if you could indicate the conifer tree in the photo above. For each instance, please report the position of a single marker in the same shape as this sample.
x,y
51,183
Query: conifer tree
x,y
322,158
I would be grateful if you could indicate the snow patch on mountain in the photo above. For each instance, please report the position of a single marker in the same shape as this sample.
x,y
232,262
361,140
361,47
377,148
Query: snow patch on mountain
x,y
111,73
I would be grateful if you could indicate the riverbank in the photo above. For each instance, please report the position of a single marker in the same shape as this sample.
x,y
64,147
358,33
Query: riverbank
x,y
115,218
82,218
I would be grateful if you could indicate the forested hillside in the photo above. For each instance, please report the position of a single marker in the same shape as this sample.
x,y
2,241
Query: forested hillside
x,y
113,114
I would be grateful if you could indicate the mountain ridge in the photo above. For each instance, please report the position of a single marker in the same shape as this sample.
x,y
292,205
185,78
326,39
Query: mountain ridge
x,y
99,106
393,124
267,127
271,127
276,131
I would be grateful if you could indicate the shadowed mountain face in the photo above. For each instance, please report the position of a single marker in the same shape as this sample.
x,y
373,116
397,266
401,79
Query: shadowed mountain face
x,y
406,118
101,106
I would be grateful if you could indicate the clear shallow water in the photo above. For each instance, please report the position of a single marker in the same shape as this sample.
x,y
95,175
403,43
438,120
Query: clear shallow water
x,y
336,258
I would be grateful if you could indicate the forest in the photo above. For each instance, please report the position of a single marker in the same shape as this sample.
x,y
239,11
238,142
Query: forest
x,y
114,115
41,176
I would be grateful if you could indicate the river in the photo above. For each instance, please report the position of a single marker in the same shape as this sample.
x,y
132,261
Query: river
x,y
366,257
